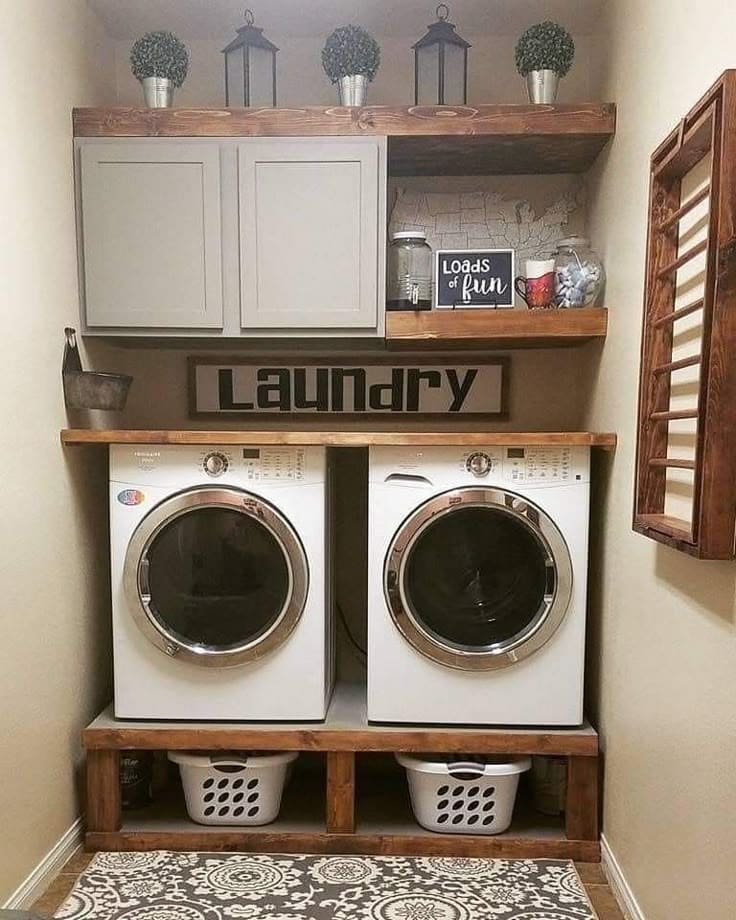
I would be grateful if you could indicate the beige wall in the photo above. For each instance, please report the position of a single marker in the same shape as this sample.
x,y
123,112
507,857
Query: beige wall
x,y
545,392
664,625
54,668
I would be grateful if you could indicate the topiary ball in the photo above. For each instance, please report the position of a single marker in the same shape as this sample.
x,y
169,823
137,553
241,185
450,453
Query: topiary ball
x,y
545,46
350,50
160,54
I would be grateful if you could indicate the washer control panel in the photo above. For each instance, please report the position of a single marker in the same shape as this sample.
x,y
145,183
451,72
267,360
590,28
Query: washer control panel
x,y
215,464
479,463
255,464
273,463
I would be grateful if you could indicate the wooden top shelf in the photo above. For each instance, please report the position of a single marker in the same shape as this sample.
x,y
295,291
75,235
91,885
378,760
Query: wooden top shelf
x,y
352,438
495,328
422,140
345,729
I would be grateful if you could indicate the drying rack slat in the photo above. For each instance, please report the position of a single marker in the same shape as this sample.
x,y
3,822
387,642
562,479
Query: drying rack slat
x,y
673,415
683,259
678,365
673,315
674,219
672,462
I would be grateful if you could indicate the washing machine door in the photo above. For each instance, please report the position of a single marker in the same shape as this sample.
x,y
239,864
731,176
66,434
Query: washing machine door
x,y
478,578
216,576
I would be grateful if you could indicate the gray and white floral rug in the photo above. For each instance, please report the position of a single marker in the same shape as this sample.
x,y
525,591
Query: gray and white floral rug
x,y
232,886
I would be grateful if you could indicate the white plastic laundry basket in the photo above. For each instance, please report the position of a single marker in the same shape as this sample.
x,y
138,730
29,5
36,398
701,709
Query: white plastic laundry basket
x,y
233,788
470,796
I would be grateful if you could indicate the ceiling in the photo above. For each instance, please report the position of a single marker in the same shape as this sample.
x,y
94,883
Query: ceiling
x,y
217,19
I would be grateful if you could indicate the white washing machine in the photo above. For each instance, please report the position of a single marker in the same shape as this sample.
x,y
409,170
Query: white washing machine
x,y
477,584
220,585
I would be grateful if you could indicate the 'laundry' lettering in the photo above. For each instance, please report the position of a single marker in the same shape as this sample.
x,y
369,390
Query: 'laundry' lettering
x,y
375,388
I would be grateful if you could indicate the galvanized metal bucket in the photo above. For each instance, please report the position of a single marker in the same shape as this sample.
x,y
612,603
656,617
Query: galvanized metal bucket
x,y
353,89
158,92
542,86
90,389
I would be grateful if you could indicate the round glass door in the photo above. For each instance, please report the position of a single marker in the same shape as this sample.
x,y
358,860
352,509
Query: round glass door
x,y
216,576
478,578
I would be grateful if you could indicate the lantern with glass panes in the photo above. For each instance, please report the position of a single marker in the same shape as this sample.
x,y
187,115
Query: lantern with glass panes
x,y
250,67
441,64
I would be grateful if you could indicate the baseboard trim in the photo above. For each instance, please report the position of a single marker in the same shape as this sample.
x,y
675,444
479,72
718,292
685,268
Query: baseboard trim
x,y
619,886
46,871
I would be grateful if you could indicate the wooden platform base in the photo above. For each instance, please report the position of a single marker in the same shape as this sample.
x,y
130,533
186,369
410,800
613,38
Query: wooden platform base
x,y
347,794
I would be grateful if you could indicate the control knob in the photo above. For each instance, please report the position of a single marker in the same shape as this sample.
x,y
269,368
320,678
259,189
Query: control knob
x,y
479,464
215,464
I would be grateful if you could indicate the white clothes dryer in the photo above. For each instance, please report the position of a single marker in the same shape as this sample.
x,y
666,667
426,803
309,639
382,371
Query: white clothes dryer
x,y
477,584
220,587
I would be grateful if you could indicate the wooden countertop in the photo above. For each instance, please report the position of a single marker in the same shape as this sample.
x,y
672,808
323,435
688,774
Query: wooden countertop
x,y
345,438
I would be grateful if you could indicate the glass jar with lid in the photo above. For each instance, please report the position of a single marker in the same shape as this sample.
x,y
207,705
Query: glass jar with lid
x,y
579,274
409,272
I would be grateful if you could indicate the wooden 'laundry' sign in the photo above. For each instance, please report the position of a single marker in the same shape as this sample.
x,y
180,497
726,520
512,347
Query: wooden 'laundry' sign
x,y
246,388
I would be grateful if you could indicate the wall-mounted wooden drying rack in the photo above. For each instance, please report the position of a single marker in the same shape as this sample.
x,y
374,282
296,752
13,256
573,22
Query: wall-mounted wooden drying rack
x,y
709,130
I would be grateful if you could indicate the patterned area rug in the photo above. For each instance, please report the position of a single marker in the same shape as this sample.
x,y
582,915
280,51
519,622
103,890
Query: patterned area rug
x,y
211,886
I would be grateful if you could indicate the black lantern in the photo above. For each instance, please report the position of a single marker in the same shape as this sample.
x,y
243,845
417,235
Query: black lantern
x,y
250,67
441,64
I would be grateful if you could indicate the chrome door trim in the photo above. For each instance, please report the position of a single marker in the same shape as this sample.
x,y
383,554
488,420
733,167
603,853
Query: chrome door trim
x,y
136,585
499,655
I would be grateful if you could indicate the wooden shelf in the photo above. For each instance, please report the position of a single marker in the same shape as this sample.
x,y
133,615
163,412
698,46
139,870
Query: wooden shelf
x,y
347,438
345,729
384,824
348,795
495,328
422,140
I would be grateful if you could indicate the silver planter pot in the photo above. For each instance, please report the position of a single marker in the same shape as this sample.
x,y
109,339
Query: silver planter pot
x,y
353,89
542,86
158,92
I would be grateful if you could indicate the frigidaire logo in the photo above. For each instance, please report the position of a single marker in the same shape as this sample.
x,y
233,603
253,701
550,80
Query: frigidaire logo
x,y
131,497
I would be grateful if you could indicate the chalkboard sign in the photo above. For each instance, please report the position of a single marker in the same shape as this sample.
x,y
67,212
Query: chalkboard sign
x,y
466,278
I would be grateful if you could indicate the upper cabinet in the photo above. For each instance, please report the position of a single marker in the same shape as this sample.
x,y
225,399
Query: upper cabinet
x,y
150,235
267,223
312,231
216,237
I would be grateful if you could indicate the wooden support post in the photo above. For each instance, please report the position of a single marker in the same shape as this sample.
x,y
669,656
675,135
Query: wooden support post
x,y
340,792
103,790
581,809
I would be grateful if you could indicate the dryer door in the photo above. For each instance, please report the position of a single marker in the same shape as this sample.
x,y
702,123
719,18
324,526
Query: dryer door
x,y
478,578
216,576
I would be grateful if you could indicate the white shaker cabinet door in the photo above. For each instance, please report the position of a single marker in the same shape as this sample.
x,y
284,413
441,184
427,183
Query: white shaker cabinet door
x,y
312,230
150,223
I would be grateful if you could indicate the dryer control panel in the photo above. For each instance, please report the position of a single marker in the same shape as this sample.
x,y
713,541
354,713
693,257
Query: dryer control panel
x,y
521,464
491,465
537,464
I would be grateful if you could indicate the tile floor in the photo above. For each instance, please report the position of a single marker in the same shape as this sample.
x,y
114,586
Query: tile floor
x,y
591,874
